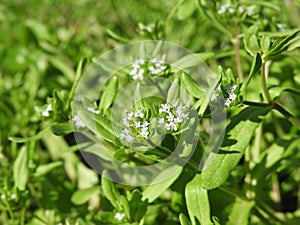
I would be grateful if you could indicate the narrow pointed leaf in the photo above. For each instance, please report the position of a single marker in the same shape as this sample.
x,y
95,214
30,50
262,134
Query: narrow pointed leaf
x,y
109,94
20,171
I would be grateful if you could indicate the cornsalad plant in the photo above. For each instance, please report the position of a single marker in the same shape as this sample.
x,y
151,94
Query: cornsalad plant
x,y
105,120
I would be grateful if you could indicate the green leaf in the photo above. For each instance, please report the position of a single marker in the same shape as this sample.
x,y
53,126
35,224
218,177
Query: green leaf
x,y
98,124
81,196
251,40
191,86
216,220
20,171
197,202
277,91
126,206
184,220
47,168
174,91
63,67
40,30
110,190
186,10
281,46
238,216
205,56
116,36
61,129
239,133
265,43
187,61
294,44
154,190
33,138
109,94
78,73
138,207
256,64
211,18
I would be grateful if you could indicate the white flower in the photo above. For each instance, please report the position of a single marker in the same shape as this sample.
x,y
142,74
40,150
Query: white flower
x,y
145,130
136,126
241,9
139,113
223,8
161,121
172,115
280,26
126,135
93,110
130,115
231,95
45,113
153,60
149,29
137,73
227,102
164,108
78,121
231,10
13,196
249,12
231,88
119,216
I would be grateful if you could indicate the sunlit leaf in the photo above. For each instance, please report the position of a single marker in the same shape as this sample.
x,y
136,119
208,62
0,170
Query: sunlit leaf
x,y
239,133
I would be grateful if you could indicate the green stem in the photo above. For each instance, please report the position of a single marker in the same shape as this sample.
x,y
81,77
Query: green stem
x,y
23,216
214,21
279,108
288,115
236,44
10,212
264,77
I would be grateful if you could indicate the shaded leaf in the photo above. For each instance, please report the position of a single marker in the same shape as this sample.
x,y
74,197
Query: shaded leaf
x,y
61,129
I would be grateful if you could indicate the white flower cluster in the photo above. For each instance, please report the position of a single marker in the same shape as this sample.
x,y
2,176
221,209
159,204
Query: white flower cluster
x,y
135,126
140,68
226,97
172,115
231,95
228,8
119,216
46,112
224,8
78,122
